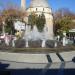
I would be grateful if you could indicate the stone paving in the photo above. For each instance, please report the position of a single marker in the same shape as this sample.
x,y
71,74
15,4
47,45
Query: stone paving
x,y
67,56
37,58
54,57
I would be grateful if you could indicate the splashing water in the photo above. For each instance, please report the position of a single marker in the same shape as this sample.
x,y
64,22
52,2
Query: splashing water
x,y
33,34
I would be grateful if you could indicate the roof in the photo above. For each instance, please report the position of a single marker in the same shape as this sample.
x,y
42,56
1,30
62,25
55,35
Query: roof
x,y
39,3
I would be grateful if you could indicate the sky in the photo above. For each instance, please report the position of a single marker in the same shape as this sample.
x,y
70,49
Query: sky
x,y
54,4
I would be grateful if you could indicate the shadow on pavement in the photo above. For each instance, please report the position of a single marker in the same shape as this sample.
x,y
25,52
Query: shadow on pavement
x,y
3,68
38,72
46,71
73,60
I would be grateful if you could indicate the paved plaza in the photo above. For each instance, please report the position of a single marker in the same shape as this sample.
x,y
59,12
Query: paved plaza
x,y
38,58
37,64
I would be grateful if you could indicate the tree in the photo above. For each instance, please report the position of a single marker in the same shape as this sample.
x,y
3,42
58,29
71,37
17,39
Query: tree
x,y
40,22
0,24
9,27
32,19
0,29
64,24
63,21
9,15
63,12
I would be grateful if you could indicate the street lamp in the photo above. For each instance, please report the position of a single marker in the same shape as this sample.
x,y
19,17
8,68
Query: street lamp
x,y
3,29
64,38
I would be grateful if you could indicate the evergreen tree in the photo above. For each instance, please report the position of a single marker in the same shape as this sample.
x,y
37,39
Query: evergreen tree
x,y
32,19
40,22
9,27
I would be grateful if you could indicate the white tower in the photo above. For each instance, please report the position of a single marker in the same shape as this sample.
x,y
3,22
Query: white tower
x,y
23,4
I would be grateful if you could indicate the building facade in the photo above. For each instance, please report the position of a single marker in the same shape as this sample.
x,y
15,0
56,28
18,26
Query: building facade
x,y
39,7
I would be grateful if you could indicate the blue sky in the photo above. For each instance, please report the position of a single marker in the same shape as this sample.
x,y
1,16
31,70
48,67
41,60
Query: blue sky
x,y
54,4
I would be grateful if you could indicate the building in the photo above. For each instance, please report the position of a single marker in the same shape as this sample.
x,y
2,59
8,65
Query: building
x,y
39,7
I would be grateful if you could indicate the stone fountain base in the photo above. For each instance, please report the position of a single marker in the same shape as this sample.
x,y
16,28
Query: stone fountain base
x,y
34,44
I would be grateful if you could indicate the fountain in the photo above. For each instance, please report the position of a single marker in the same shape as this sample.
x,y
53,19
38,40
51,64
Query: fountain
x,y
27,44
43,43
34,35
39,7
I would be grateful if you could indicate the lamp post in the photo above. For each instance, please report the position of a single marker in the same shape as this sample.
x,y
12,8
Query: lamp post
x,y
64,38
3,28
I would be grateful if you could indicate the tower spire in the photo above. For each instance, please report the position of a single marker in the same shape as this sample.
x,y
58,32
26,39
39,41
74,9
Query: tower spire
x,y
23,4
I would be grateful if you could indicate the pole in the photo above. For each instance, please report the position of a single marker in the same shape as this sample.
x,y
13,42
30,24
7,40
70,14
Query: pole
x,y
3,30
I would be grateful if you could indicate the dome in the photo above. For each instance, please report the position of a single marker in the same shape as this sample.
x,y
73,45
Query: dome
x,y
39,3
